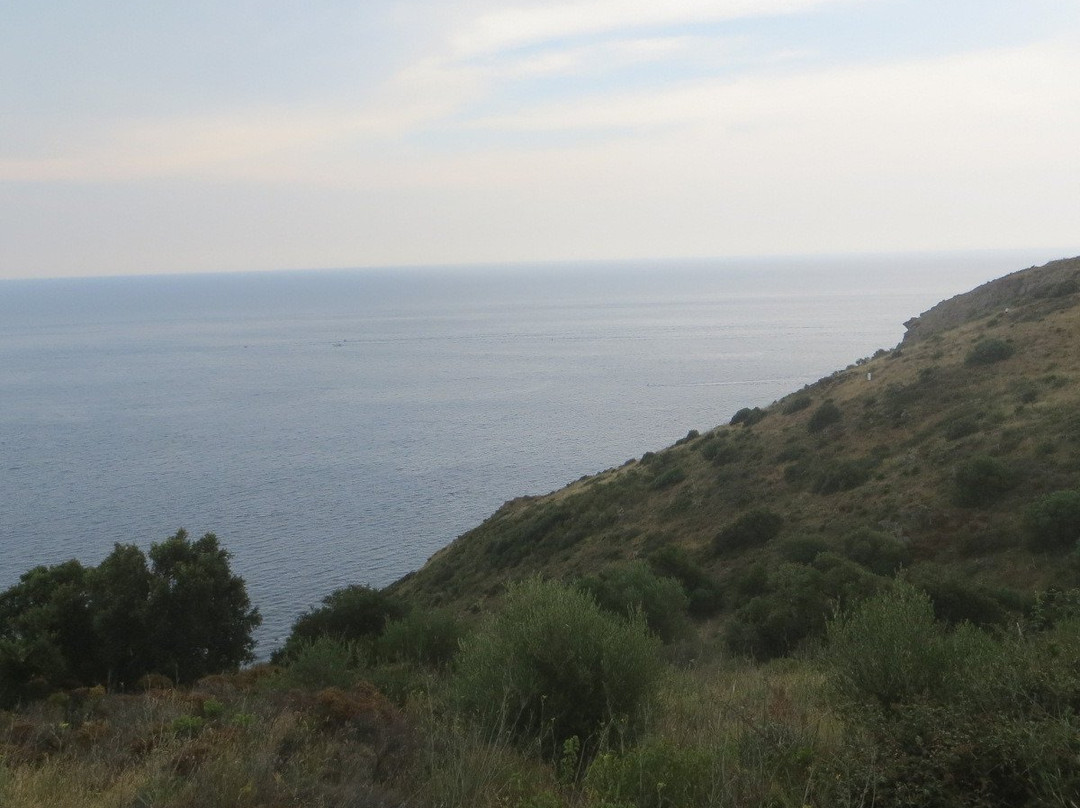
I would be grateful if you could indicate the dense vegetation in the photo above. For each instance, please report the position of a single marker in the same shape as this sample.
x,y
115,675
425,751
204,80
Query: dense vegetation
x,y
183,615
863,595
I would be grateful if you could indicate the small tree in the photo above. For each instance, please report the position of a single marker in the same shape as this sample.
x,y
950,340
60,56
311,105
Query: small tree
x,y
120,591
185,615
46,631
198,610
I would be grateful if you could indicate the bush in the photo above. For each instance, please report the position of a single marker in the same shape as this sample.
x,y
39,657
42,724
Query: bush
x,y
1052,607
880,553
796,602
1053,521
889,649
352,613
748,417
957,600
796,404
633,588
693,434
704,597
668,477
752,529
825,415
803,549
960,427
956,717
553,665
719,451
981,480
322,662
841,475
427,638
988,351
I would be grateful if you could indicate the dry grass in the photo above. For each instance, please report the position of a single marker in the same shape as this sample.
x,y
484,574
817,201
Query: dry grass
x,y
238,747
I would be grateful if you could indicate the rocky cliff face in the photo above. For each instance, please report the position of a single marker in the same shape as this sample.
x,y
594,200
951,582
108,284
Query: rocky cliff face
x,y
1051,282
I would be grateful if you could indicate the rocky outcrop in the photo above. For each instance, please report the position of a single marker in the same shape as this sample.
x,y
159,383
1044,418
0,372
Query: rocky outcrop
x,y
1058,279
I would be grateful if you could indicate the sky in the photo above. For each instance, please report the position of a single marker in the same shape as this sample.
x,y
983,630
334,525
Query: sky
x,y
235,135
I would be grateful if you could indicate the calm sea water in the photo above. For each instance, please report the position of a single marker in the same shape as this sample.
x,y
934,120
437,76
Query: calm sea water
x,y
340,427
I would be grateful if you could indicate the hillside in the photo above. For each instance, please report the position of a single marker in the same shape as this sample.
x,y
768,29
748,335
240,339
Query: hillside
x,y
891,531
932,450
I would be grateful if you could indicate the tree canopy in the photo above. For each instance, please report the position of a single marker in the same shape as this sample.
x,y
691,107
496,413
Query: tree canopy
x,y
179,612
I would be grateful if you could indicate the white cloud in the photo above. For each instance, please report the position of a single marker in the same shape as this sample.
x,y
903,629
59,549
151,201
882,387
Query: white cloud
x,y
504,29
974,94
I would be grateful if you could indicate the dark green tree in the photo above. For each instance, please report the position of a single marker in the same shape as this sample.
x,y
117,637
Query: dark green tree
x,y
67,625
46,639
352,614
119,590
198,611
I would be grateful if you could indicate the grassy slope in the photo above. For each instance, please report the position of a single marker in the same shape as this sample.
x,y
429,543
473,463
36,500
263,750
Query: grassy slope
x,y
758,735
911,418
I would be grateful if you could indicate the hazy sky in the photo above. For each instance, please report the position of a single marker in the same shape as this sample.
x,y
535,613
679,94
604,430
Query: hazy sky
x,y
207,135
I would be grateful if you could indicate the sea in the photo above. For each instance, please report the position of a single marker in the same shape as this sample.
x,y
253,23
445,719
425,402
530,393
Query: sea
x,y
339,427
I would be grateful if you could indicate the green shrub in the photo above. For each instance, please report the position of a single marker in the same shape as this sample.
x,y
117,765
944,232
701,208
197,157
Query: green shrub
x,y
552,664
1026,390
881,553
803,549
176,610
324,661
957,600
791,453
1053,521
1052,607
187,726
825,415
796,602
719,451
960,427
427,638
752,529
353,613
691,435
633,588
658,774
668,477
988,351
704,596
796,404
981,481
889,649
747,416
840,475
743,583
212,709
956,717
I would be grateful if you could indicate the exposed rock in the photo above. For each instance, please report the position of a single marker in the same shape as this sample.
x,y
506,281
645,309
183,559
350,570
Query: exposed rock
x,y
1056,279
